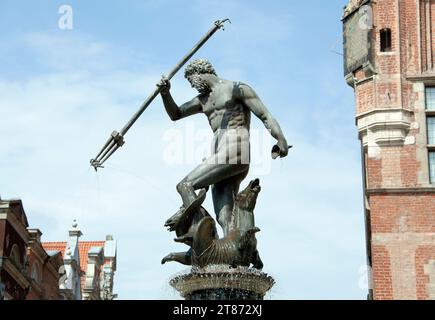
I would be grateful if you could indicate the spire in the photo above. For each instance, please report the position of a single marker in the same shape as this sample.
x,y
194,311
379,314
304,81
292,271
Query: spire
x,y
72,262
72,245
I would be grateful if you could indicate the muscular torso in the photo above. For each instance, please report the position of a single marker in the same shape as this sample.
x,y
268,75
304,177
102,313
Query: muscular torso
x,y
223,110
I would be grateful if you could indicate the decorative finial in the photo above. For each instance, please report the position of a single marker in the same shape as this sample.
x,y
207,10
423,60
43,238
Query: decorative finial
x,y
74,231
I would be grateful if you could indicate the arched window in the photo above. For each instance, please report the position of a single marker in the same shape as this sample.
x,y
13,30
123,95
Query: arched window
x,y
36,275
385,36
15,256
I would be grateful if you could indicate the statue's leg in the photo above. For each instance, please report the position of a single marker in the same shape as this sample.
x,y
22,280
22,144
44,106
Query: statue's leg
x,y
220,166
201,177
230,158
224,193
205,175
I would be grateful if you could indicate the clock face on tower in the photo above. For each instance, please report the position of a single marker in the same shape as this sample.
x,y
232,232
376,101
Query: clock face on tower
x,y
357,28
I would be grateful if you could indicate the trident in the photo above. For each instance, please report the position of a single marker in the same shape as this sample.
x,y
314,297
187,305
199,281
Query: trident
x,y
116,139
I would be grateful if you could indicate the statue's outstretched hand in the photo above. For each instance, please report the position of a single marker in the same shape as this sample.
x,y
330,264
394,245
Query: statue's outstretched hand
x,y
164,85
280,149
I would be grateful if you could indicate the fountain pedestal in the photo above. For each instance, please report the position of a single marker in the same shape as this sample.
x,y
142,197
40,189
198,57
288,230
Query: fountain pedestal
x,y
223,283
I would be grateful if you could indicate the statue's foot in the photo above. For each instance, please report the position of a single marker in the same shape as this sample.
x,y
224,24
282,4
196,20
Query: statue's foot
x,y
173,221
197,202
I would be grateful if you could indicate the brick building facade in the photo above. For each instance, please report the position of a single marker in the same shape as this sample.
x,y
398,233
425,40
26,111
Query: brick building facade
x,y
27,271
389,57
44,269
89,267
70,270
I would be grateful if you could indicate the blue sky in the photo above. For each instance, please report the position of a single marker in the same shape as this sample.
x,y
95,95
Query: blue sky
x,y
63,91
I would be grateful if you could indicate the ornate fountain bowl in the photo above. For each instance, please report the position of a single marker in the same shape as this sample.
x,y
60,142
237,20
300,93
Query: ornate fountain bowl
x,y
221,282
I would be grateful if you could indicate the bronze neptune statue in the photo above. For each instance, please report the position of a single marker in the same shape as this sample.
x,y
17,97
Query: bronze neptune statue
x,y
228,106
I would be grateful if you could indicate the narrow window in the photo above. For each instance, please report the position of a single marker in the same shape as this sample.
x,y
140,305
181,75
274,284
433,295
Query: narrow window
x,y
430,98
432,166
15,256
430,129
431,144
35,272
386,40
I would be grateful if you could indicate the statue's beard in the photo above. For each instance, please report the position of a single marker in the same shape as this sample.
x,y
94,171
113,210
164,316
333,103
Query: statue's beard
x,y
199,84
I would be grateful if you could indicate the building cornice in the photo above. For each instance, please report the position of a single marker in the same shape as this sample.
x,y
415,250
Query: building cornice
x,y
381,110
10,268
428,189
426,78
385,126
364,80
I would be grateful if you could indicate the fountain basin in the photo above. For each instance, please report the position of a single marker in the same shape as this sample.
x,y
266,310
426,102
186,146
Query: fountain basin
x,y
221,282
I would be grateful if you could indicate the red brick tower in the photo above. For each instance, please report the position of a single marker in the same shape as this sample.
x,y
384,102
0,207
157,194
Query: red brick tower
x,y
389,61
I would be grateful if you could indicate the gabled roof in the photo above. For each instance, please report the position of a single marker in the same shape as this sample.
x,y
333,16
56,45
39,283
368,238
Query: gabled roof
x,y
84,247
54,246
16,207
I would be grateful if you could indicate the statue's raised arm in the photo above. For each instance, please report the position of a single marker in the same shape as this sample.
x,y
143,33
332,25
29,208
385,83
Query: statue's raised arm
x,y
251,100
189,108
